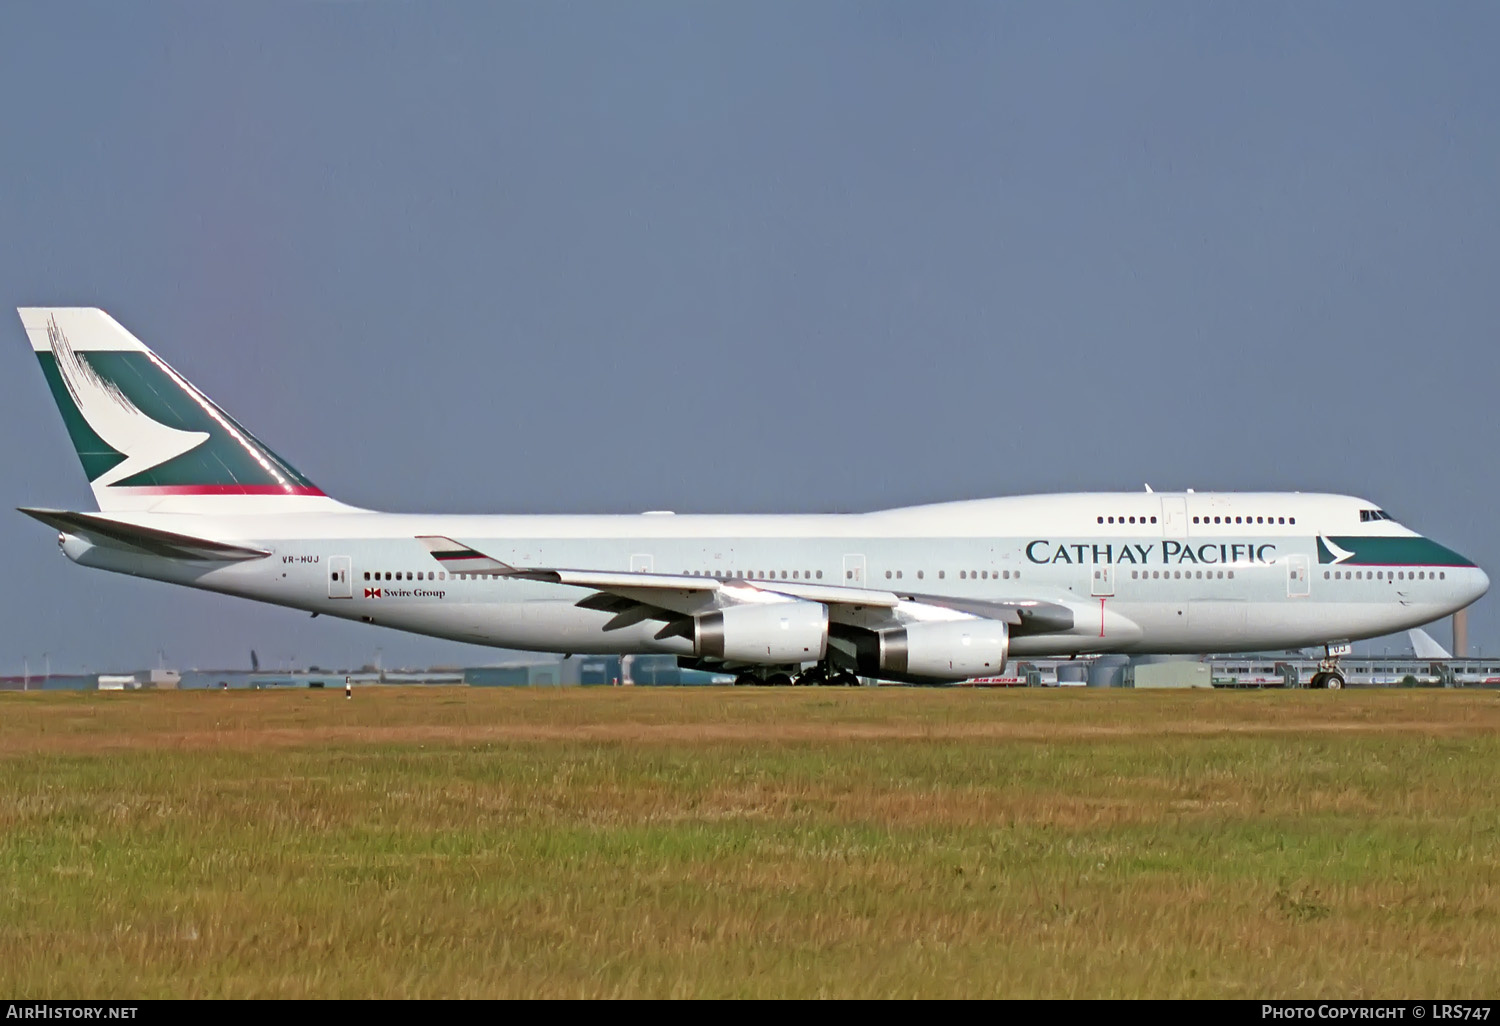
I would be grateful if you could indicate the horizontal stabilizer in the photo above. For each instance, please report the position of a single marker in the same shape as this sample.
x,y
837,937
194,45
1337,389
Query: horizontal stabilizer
x,y
104,531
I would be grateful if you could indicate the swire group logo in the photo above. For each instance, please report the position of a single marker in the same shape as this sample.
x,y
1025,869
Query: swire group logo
x,y
404,593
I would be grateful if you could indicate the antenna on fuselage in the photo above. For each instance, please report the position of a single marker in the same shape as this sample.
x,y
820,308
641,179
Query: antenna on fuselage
x,y
1148,489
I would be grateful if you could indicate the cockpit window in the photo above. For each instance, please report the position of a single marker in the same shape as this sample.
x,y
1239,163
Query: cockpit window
x,y
1368,515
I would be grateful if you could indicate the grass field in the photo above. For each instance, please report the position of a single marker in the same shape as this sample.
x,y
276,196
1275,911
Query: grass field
x,y
716,843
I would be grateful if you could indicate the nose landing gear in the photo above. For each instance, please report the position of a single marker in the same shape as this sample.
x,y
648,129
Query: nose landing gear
x,y
1328,676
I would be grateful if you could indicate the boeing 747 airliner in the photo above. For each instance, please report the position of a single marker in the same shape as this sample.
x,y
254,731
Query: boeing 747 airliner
x,y
932,593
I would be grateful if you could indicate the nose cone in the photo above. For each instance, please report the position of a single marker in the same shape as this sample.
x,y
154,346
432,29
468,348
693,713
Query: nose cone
x,y
1478,584
1466,582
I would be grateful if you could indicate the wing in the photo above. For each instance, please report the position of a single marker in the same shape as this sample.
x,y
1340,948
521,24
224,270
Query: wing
x,y
634,597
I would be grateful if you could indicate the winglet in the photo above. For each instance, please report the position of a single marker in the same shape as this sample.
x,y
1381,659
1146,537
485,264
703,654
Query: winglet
x,y
459,558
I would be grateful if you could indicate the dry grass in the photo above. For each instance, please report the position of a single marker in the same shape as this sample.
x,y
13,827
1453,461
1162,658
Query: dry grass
x,y
708,842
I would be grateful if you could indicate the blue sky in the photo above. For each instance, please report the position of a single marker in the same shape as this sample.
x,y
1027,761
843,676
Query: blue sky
x,y
582,257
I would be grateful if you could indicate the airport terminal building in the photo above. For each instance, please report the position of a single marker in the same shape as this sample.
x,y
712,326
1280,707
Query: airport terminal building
x,y
1225,672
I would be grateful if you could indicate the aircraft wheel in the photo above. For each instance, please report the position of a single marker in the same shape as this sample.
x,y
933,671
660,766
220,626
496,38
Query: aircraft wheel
x,y
747,679
779,680
811,677
846,680
1334,681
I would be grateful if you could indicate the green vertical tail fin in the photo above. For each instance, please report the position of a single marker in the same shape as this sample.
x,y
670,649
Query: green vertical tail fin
x,y
146,436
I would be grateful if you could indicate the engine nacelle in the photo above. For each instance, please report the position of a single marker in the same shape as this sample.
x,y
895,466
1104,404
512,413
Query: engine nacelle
x,y
952,649
772,633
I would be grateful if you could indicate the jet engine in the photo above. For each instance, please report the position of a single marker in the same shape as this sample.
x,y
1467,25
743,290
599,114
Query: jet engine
x,y
772,633
951,649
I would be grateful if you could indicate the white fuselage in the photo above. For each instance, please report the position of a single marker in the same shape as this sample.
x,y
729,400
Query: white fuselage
x,y
1140,572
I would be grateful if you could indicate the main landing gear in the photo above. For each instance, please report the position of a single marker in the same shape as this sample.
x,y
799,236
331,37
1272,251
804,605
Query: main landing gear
x,y
828,676
822,676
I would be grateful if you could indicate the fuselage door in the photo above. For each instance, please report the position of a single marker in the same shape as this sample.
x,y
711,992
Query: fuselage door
x,y
1102,583
854,571
1297,583
1174,519
340,579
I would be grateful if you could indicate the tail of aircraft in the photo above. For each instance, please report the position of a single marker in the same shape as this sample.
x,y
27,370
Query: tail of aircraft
x,y
1425,646
147,438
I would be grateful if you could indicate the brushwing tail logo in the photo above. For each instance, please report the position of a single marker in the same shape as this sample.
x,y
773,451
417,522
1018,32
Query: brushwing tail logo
x,y
145,442
1329,553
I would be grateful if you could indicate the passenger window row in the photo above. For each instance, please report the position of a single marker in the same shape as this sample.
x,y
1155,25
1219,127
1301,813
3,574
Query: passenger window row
x,y
1246,520
1179,574
964,575
1203,520
430,575
1385,575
